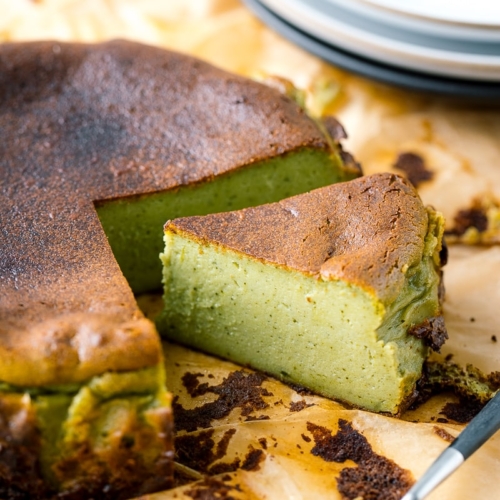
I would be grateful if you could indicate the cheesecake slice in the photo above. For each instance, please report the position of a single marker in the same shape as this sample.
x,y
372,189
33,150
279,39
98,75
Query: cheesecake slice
x,y
336,289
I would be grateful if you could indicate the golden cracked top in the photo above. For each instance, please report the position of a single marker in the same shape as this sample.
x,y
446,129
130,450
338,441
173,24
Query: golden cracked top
x,y
368,231
85,123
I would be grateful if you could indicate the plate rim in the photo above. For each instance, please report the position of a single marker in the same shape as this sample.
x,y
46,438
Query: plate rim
x,y
481,91
388,51
454,31
413,9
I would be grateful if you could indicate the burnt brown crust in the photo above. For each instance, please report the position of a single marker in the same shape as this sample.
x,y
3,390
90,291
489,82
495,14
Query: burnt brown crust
x,y
20,471
337,133
86,123
432,331
140,462
118,472
367,231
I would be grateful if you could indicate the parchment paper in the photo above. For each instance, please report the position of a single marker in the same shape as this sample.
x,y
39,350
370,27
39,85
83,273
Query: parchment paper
x,y
458,142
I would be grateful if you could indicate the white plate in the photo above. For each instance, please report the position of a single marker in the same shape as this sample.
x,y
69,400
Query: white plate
x,y
341,27
435,27
479,13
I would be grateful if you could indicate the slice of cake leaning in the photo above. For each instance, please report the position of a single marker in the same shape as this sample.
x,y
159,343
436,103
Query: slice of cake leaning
x,y
336,289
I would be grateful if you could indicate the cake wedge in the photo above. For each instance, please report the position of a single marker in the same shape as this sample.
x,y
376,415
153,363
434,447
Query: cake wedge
x,y
337,289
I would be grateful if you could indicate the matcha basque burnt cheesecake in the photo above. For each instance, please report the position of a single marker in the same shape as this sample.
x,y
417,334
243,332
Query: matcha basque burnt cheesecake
x,y
99,146
336,290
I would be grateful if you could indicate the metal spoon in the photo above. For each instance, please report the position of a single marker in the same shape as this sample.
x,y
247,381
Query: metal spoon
x,y
481,428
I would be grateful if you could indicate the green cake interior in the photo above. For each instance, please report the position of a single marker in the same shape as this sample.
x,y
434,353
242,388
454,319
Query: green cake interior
x,y
134,225
333,337
88,432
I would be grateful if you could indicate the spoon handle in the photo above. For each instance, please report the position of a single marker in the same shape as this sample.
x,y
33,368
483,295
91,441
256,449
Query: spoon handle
x,y
481,428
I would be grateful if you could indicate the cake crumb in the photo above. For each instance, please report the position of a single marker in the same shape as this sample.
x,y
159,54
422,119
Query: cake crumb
x,y
296,406
224,467
300,389
211,488
474,217
251,418
413,165
443,434
199,451
253,459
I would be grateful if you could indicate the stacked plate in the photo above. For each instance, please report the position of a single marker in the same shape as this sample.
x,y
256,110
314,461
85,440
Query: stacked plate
x,y
437,45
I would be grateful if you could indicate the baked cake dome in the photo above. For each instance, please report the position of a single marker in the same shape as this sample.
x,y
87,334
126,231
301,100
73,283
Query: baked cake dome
x,y
99,146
